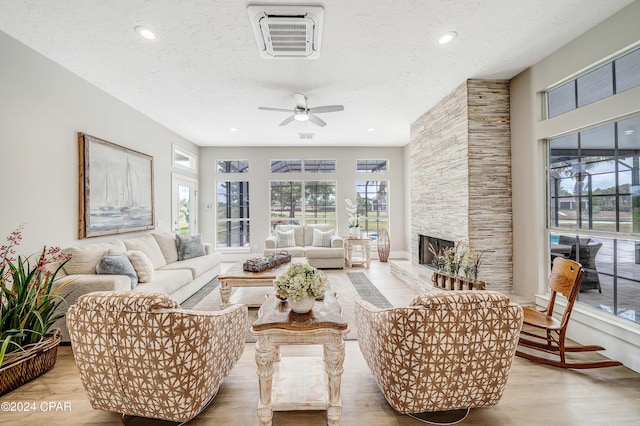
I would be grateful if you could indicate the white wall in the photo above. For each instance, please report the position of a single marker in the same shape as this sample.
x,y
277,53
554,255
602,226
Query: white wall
x,y
259,176
42,107
529,129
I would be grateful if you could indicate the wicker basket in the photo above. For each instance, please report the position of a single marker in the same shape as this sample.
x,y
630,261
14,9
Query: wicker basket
x,y
21,367
261,264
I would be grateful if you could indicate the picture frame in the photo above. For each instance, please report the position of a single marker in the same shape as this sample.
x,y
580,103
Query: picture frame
x,y
116,188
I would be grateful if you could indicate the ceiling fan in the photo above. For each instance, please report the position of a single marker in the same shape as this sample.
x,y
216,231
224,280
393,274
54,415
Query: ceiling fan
x,y
302,112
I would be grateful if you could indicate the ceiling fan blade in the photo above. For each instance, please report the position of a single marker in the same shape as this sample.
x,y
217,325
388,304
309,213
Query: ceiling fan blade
x,y
287,121
301,100
327,108
274,109
315,120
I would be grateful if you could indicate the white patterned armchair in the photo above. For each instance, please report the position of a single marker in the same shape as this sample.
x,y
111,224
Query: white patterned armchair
x,y
446,351
140,354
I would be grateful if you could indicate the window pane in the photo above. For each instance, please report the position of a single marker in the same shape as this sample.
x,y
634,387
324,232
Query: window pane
x,y
319,166
320,202
286,202
371,166
233,233
628,71
563,181
561,99
286,166
233,166
595,85
373,208
598,284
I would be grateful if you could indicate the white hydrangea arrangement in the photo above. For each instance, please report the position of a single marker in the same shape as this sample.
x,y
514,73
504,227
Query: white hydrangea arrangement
x,y
300,280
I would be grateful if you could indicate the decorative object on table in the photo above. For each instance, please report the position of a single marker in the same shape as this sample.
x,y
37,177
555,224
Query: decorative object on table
x,y
450,261
28,346
301,285
116,188
260,264
352,215
384,245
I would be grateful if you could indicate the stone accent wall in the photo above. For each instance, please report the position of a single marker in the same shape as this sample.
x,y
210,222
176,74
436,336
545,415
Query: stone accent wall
x,y
461,176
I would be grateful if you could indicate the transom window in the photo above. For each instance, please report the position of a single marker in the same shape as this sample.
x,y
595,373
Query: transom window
x,y
233,166
371,166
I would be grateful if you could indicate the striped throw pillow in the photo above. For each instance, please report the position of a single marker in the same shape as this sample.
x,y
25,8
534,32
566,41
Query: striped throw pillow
x,y
286,238
322,238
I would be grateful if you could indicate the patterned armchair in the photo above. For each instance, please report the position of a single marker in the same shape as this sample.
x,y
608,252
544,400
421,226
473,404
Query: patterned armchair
x,y
140,354
446,351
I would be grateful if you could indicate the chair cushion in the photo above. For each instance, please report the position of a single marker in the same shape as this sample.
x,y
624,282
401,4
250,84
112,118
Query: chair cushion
x,y
125,301
148,245
461,300
142,265
286,238
117,263
322,238
189,247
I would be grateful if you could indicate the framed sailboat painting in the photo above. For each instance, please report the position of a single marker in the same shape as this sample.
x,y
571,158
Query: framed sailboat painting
x,y
116,188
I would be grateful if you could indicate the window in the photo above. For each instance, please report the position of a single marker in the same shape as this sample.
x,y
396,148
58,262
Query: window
x,y
232,211
371,166
594,211
319,166
184,159
373,207
289,207
233,166
611,78
286,166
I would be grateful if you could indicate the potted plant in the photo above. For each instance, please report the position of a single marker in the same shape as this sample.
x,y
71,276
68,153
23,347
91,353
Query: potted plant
x,y
28,348
301,284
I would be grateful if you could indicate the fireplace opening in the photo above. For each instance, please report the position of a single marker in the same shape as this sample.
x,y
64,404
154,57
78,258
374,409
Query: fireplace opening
x,y
425,257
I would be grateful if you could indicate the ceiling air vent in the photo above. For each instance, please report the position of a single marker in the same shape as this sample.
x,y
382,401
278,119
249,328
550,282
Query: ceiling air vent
x,y
306,135
287,31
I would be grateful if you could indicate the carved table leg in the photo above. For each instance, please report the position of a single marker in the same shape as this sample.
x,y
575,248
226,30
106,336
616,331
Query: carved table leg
x,y
225,294
333,360
265,357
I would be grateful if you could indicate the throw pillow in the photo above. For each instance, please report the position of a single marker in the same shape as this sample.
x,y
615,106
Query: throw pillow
x,y
189,247
322,238
142,265
116,263
286,238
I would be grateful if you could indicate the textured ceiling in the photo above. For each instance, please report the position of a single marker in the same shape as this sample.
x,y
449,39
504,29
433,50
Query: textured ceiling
x,y
380,59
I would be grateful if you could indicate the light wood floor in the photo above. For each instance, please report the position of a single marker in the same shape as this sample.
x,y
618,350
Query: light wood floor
x,y
535,394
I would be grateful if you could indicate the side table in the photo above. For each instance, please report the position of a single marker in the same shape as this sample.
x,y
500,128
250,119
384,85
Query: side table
x,y
301,383
365,251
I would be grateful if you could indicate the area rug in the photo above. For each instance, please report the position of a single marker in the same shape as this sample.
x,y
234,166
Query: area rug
x,y
349,287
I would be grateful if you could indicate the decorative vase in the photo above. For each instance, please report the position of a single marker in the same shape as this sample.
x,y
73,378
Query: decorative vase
x,y
384,246
302,306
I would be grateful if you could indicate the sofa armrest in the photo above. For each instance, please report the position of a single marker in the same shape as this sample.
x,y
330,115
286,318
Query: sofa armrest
x,y
208,248
337,241
271,242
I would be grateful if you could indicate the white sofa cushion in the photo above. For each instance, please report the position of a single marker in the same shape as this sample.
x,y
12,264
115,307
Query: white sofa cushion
x,y
85,259
167,243
323,253
197,265
148,245
166,281
142,265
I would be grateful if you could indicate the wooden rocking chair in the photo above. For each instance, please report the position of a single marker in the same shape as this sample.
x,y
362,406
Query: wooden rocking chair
x,y
566,277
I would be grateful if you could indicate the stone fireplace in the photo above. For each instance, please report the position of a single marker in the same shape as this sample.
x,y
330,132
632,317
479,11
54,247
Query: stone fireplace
x,y
425,257
461,176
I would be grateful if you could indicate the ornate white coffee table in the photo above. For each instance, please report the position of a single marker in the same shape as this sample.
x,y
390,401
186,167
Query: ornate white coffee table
x,y
301,383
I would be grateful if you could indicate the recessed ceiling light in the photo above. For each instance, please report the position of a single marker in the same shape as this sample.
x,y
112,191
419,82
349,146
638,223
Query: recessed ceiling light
x,y
145,32
447,37
628,132
370,129
233,129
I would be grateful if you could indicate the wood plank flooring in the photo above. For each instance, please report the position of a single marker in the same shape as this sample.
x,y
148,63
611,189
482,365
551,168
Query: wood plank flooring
x,y
535,394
